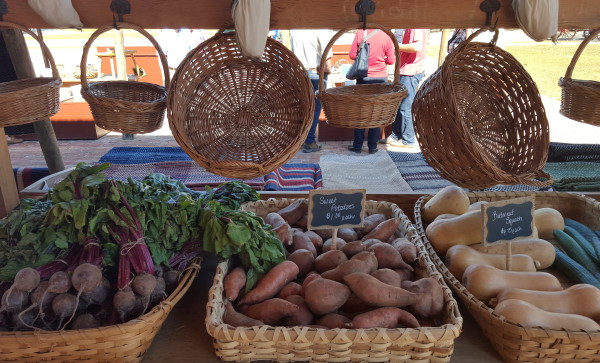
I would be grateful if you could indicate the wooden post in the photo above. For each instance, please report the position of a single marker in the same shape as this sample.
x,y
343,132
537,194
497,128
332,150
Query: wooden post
x,y
9,195
21,61
443,46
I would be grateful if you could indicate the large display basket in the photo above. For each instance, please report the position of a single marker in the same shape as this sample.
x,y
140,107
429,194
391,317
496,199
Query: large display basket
x,y
514,342
285,344
125,342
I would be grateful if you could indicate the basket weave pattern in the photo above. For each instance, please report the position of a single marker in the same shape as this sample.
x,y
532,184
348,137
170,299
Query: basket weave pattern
x,y
123,106
125,342
284,344
236,116
480,121
580,99
362,105
28,100
512,341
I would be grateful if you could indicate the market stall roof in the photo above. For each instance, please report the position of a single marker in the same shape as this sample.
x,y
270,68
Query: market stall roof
x,y
298,14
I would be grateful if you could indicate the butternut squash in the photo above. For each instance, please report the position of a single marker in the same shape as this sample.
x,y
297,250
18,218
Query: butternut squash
x,y
477,205
528,315
459,257
445,216
486,282
546,220
451,199
540,250
465,229
581,299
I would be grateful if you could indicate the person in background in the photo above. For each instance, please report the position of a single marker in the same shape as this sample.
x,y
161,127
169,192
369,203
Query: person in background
x,y
308,45
412,70
381,54
459,36
177,43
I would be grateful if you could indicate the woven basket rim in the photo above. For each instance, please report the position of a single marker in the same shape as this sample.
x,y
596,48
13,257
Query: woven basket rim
x,y
447,331
470,299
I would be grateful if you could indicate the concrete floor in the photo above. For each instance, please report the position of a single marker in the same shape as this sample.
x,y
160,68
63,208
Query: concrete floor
x,y
183,337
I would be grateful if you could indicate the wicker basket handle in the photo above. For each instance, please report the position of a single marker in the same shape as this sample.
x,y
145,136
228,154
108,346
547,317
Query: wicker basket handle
x,y
476,33
579,51
104,29
341,32
45,50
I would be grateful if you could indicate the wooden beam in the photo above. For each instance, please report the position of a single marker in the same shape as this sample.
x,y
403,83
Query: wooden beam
x,y
306,14
9,196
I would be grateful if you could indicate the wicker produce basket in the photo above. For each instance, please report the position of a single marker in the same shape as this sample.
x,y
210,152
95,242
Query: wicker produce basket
x,y
284,344
512,341
237,116
125,342
29,100
480,121
363,105
580,99
124,106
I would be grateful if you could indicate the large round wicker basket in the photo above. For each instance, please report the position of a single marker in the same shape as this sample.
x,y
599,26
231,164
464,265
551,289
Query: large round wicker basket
x,y
580,98
362,105
123,106
29,100
480,121
236,116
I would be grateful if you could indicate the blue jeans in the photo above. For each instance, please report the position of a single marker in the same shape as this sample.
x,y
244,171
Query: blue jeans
x,y
374,134
402,128
312,137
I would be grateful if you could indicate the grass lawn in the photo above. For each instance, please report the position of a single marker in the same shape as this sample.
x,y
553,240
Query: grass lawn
x,y
546,63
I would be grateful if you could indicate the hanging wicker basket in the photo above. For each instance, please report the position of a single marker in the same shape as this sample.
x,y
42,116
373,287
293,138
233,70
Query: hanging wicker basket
x,y
123,106
237,116
580,99
480,121
28,100
362,105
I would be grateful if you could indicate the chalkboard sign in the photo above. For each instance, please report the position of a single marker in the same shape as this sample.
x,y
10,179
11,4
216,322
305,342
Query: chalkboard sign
x,y
507,220
336,208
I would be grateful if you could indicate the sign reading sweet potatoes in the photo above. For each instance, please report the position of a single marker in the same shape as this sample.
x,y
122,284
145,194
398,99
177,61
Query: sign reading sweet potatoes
x,y
339,208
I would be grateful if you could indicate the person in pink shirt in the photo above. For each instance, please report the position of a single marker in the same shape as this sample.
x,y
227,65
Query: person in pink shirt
x,y
412,70
381,53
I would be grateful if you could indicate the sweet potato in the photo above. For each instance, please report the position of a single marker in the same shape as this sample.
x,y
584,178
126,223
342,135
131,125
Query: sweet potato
x,y
274,219
300,241
270,284
387,317
370,242
377,293
329,260
300,317
293,212
284,234
355,305
369,258
345,268
291,288
404,274
234,318
431,297
352,248
308,279
347,234
302,222
387,276
234,282
325,296
304,259
384,230
333,321
315,239
328,245
370,222
388,257
324,233
407,249
270,311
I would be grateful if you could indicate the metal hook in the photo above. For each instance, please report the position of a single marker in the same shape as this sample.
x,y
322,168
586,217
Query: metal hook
x,y
120,8
364,8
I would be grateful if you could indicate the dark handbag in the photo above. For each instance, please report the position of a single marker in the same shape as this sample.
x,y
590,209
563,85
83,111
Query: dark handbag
x,y
360,67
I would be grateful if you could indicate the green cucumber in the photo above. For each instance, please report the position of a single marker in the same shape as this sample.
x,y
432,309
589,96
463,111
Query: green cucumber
x,y
574,271
575,251
585,244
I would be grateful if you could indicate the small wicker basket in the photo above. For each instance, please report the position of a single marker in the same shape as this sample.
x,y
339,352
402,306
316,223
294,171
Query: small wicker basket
x,y
300,343
580,99
124,343
29,100
123,106
362,105
514,342
237,116
480,121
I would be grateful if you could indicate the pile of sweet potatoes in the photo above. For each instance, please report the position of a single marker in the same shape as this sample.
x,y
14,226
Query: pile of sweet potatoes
x,y
368,277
